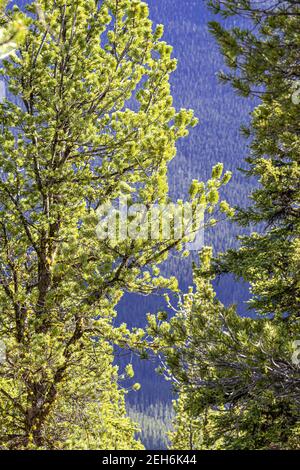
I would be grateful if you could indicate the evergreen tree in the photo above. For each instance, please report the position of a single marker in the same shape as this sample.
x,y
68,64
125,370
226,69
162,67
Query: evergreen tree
x,y
264,61
12,30
89,118
238,386
237,377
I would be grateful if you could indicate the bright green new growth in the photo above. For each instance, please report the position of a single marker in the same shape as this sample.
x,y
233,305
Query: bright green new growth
x,y
239,378
12,30
93,115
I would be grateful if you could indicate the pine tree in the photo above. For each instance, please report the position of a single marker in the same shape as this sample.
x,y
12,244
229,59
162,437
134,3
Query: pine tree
x,y
12,30
264,62
238,378
89,118
187,431
238,386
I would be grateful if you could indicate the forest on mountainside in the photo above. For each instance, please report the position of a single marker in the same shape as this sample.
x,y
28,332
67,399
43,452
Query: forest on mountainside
x,y
217,138
136,342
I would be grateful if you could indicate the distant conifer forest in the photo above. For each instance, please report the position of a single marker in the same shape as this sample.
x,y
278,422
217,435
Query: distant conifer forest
x,y
150,225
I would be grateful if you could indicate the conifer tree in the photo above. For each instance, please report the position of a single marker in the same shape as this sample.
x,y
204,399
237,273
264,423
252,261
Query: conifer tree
x,y
89,119
238,385
12,30
264,62
239,378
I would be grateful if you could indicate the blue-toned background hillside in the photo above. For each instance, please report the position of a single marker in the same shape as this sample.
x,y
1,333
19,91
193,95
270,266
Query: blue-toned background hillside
x,y
216,139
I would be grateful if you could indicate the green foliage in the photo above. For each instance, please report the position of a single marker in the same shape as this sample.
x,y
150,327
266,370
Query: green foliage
x,y
238,381
187,433
12,30
238,385
270,260
90,112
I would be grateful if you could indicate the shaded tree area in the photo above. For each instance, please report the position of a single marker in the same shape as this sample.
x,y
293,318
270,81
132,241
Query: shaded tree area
x,y
239,378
